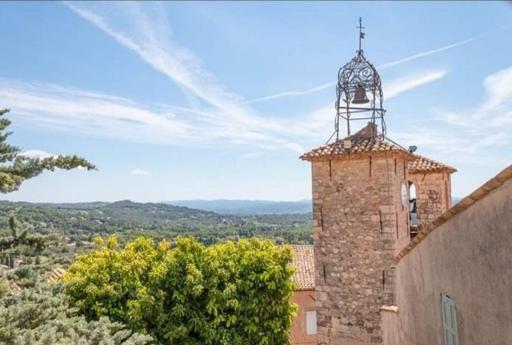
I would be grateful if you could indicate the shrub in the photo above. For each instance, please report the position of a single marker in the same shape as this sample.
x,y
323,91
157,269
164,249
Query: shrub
x,y
229,293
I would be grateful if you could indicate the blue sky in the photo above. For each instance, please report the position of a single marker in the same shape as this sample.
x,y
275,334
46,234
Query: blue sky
x,y
217,100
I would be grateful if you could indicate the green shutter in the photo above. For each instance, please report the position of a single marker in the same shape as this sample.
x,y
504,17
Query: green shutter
x,y
449,321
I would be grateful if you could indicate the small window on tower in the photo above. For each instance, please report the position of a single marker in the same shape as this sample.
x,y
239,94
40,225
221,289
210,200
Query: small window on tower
x,y
311,322
413,213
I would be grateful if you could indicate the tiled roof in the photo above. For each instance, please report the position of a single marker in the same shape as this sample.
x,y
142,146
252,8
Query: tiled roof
x,y
14,288
494,183
304,263
422,165
364,141
55,274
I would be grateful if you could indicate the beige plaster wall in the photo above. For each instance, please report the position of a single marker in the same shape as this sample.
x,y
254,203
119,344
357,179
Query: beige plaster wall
x,y
389,324
469,258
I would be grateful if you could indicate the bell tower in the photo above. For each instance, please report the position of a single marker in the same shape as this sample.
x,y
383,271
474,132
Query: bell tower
x,y
431,181
360,211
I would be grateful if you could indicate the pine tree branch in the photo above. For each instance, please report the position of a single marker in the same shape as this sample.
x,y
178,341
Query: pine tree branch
x,y
16,168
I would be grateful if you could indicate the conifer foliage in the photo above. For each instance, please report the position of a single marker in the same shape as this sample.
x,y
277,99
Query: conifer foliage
x,y
16,168
234,293
41,316
20,236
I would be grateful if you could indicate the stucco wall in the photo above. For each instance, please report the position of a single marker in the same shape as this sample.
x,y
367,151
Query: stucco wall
x,y
469,258
389,324
305,301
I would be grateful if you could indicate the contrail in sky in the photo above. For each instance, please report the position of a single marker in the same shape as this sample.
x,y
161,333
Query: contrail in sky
x,y
383,66
294,93
427,53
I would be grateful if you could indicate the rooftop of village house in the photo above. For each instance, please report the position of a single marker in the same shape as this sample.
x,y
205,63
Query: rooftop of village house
x,y
368,141
304,265
422,164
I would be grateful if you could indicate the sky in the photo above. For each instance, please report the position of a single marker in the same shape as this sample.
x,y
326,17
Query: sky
x,y
217,100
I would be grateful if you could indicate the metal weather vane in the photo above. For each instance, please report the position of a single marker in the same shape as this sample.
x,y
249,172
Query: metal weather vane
x,y
361,33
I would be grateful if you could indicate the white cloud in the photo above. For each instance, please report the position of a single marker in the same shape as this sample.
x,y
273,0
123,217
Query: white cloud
x,y
149,36
494,112
37,154
90,113
399,86
225,119
146,32
479,135
140,172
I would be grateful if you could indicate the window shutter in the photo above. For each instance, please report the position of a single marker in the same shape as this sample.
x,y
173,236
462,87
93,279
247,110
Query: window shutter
x,y
449,320
311,322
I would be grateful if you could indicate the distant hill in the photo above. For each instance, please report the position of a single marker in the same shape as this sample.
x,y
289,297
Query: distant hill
x,y
161,220
247,207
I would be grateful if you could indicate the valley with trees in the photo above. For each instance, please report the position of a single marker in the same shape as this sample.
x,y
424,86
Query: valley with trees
x,y
139,273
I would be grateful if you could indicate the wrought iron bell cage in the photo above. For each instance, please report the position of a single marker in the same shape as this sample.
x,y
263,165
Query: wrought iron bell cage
x,y
359,93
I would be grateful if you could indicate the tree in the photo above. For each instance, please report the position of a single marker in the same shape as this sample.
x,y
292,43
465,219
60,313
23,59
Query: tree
x,y
230,293
19,236
41,316
15,168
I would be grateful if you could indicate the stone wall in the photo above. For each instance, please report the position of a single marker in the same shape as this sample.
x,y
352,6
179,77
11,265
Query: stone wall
x,y
433,195
359,224
466,254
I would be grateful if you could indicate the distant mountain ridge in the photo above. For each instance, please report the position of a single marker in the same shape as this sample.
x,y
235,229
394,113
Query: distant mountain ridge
x,y
160,220
246,207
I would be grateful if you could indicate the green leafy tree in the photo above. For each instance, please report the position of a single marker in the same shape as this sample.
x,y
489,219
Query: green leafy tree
x,y
229,293
15,168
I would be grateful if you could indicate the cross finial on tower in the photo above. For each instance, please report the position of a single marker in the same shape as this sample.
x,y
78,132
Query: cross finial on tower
x,y
361,33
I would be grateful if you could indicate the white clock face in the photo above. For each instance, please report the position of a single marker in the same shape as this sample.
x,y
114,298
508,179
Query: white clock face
x,y
405,195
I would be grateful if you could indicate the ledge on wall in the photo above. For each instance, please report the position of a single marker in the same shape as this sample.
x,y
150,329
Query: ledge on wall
x,y
389,308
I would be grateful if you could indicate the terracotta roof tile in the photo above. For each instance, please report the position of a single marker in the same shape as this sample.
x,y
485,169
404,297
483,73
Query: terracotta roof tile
x,y
14,288
422,164
55,274
364,141
304,264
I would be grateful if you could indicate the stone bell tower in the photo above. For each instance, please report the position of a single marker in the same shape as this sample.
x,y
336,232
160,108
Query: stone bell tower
x,y
360,212
432,183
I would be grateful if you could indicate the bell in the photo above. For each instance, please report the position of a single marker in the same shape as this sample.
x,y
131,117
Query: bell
x,y
360,95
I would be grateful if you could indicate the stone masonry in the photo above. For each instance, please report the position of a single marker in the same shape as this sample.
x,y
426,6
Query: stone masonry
x,y
433,188
360,221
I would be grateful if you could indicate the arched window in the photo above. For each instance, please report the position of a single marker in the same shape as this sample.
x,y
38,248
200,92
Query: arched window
x,y
413,210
